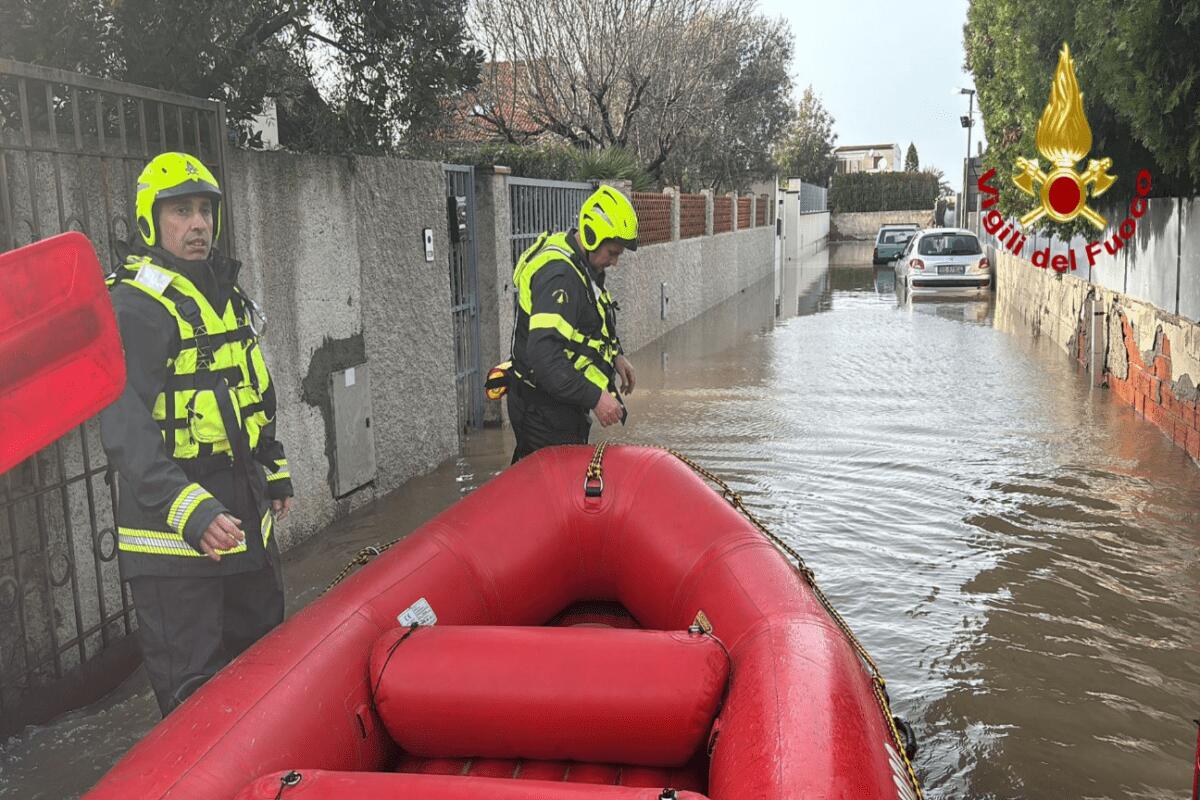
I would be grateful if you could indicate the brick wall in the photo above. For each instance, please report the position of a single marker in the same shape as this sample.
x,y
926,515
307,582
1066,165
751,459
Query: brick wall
x,y
693,215
654,217
1151,387
743,212
722,214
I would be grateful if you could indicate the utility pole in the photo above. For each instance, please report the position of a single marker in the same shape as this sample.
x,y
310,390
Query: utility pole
x,y
967,122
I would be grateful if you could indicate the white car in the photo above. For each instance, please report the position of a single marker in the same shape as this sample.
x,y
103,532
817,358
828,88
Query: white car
x,y
943,259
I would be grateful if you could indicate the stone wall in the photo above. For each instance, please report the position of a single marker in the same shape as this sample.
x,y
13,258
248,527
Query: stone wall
x,y
866,224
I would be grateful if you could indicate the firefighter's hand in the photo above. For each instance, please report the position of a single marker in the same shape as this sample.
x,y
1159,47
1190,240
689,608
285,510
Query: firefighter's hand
x,y
281,508
607,410
625,370
222,534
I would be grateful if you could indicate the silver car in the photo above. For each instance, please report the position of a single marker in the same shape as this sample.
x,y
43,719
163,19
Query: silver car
x,y
943,259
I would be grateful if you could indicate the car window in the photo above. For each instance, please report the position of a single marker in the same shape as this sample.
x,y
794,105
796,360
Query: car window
x,y
950,244
893,235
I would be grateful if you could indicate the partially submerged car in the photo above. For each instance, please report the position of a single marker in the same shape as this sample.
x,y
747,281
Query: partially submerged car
x,y
943,259
891,240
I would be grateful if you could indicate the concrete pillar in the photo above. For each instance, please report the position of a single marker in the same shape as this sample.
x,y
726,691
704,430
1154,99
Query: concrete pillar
x,y
753,211
733,205
708,211
493,231
673,193
622,186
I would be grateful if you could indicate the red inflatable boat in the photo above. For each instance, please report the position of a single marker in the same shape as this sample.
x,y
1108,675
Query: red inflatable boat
x,y
628,635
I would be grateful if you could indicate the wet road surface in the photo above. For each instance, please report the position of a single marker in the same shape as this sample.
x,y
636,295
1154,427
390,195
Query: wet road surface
x,y
1019,553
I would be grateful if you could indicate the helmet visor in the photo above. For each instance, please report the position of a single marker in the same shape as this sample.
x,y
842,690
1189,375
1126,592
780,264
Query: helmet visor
x,y
189,187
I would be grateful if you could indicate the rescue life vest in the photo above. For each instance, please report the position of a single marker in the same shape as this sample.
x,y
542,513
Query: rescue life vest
x,y
210,409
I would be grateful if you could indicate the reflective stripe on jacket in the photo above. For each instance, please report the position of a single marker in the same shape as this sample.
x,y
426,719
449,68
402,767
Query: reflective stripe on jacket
x,y
557,296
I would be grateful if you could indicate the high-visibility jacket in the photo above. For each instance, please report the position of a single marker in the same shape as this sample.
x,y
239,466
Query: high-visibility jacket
x,y
213,404
564,337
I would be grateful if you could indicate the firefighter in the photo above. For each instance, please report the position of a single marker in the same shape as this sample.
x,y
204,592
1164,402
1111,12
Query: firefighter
x,y
201,478
566,357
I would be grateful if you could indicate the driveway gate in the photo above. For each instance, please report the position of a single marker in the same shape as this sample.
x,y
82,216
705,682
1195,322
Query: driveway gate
x,y
71,148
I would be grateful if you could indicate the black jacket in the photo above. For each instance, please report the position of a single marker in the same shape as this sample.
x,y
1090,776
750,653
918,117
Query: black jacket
x,y
148,477
557,289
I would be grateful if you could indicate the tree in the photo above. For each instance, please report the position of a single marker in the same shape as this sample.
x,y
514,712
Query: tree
x,y
807,150
911,164
349,75
734,148
1138,68
598,73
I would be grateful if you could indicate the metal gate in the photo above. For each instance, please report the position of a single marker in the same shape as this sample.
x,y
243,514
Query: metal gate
x,y
539,205
71,148
464,294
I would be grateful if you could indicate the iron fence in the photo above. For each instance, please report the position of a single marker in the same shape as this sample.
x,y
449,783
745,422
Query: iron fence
x,y
71,148
464,294
539,205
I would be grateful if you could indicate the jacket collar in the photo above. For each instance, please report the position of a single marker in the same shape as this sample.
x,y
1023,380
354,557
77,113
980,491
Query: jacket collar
x,y
581,259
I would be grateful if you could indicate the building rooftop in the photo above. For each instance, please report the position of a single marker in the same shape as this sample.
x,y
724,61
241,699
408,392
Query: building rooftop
x,y
887,146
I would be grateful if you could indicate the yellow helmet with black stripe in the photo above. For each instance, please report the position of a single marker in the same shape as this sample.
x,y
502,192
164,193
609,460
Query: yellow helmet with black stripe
x,y
608,216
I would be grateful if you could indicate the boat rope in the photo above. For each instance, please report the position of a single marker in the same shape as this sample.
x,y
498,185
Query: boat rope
x,y
595,473
362,558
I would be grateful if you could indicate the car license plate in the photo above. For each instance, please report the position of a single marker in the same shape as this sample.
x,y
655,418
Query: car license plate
x,y
951,269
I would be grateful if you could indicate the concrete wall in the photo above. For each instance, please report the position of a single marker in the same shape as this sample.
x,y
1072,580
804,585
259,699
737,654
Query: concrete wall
x,y
1159,265
332,249
1147,357
866,224
698,273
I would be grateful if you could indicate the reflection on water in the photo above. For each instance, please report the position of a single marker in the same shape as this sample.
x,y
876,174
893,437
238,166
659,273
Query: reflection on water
x,y
1018,552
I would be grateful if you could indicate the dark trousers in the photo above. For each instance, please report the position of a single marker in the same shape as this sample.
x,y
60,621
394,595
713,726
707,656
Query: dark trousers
x,y
540,421
191,627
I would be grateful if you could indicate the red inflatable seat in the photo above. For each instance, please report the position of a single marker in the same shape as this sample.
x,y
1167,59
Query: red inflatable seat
x,y
324,785
585,694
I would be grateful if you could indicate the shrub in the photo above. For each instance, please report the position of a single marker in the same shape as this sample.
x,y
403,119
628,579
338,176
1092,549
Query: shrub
x,y
883,191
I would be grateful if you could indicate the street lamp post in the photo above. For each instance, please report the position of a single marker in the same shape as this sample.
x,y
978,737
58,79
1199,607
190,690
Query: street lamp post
x,y
967,122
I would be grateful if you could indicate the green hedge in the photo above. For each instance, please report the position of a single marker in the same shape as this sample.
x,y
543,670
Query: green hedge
x,y
883,191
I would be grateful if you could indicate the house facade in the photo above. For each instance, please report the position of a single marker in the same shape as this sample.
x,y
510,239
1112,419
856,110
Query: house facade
x,y
868,158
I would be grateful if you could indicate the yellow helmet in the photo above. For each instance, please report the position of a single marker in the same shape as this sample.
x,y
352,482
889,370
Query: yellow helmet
x,y
173,175
607,215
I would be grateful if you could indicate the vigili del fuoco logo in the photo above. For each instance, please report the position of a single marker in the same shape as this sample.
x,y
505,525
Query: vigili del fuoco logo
x,y
1063,138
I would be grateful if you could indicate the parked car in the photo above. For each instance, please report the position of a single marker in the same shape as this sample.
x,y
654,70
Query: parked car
x,y
890,240
943,259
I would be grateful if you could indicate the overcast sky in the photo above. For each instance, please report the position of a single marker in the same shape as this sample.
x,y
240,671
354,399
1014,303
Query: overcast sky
x,y
886,71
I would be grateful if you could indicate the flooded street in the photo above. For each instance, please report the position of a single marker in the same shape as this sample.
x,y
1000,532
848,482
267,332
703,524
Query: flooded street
x,y
1019,553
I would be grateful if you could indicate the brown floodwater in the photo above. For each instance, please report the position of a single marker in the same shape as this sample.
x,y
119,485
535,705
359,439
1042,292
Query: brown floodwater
x,y
1019,553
